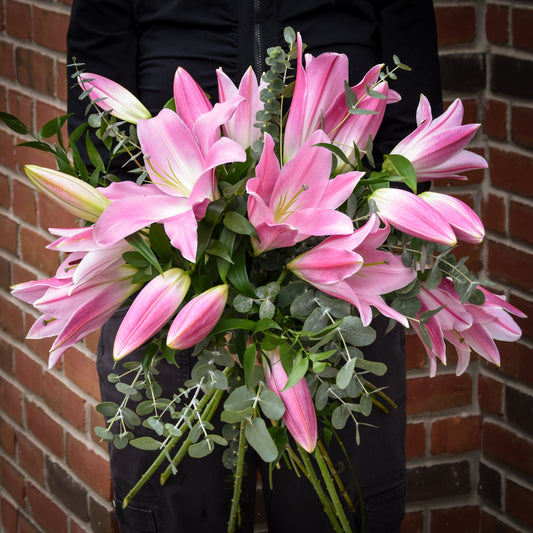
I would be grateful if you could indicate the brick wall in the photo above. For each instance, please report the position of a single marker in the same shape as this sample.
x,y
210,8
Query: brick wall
x,y
470,439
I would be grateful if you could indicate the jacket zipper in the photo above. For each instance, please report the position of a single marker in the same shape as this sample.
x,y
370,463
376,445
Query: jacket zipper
x,y
257,38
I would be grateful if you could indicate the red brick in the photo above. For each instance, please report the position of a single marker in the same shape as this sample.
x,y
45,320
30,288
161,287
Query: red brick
x,y
503,445
516,361
455,434
444,391
11,318
48,515
8,235
497,24
493,213
413,523
7,65
21,105
490,524
50,28
5,197
25,155
521,221
34,69
510,265
91,341
511,171
25,201
455,24
25,526
45,113
89,466
18,20
6,356
526,324
456,519
7,153
5,278
61,80
9,515
13,481
52,215
521,119
96,419
415,441
82,371
21,274
30,457
415,352
47,430
28,372
474,252
8,439
34,252
518,503
495,119
522,23
73,408
11,400
490,395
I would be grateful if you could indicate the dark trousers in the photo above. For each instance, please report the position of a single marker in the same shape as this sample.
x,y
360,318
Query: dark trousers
x,y
198,498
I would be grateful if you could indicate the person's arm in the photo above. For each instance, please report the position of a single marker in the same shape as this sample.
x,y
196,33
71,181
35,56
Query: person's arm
x,y
407,29
102,36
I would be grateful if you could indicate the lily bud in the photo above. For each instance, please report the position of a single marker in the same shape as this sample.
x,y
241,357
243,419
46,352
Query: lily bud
x,y
150,310
76,196
300,415
196,320
410,214
112,97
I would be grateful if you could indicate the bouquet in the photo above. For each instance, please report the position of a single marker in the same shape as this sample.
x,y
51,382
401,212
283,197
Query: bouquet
x,y
264,238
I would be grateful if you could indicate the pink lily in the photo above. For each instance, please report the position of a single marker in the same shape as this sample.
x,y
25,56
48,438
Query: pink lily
x,y
134,207
300,416
70,312
412,215
112,97
240,127
317,85
466,326
346,129
352,269
197,318
76,196
464,221
436,146
288,205
152,308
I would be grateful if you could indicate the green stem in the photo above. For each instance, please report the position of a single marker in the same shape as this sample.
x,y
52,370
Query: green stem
x,y
237,484
326,476
207,414
324,500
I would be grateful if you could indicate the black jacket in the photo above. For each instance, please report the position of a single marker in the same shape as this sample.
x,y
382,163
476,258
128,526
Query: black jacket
x,y
140,43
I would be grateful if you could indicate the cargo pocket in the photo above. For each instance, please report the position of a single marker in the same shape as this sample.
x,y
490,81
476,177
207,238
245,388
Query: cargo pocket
x,y
134,519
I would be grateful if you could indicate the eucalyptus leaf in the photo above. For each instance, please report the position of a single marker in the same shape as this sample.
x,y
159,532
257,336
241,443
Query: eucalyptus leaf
x,y
145,443
234,417
260,440
103,433
107,409
374,367
352,331
201,449
271,404
340,416
241,398
345,374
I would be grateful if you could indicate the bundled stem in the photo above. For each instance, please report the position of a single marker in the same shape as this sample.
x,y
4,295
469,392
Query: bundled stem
x,y
237,484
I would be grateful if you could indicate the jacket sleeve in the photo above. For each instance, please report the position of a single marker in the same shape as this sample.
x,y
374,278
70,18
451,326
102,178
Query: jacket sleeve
x,y
407,29
102,36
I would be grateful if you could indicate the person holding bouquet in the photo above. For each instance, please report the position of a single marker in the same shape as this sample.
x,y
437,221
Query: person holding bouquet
x,y
139,45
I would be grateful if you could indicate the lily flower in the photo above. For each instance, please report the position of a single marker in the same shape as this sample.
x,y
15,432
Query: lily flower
x,y
240,127
464,221
71,311
150,311
436,146
197,318
288,205
466,326
300,415
351,268
76,196
412,215
317,85
112,97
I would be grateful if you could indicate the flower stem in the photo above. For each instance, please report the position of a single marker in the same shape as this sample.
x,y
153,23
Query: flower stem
x,y
326,476
324,500
237,484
